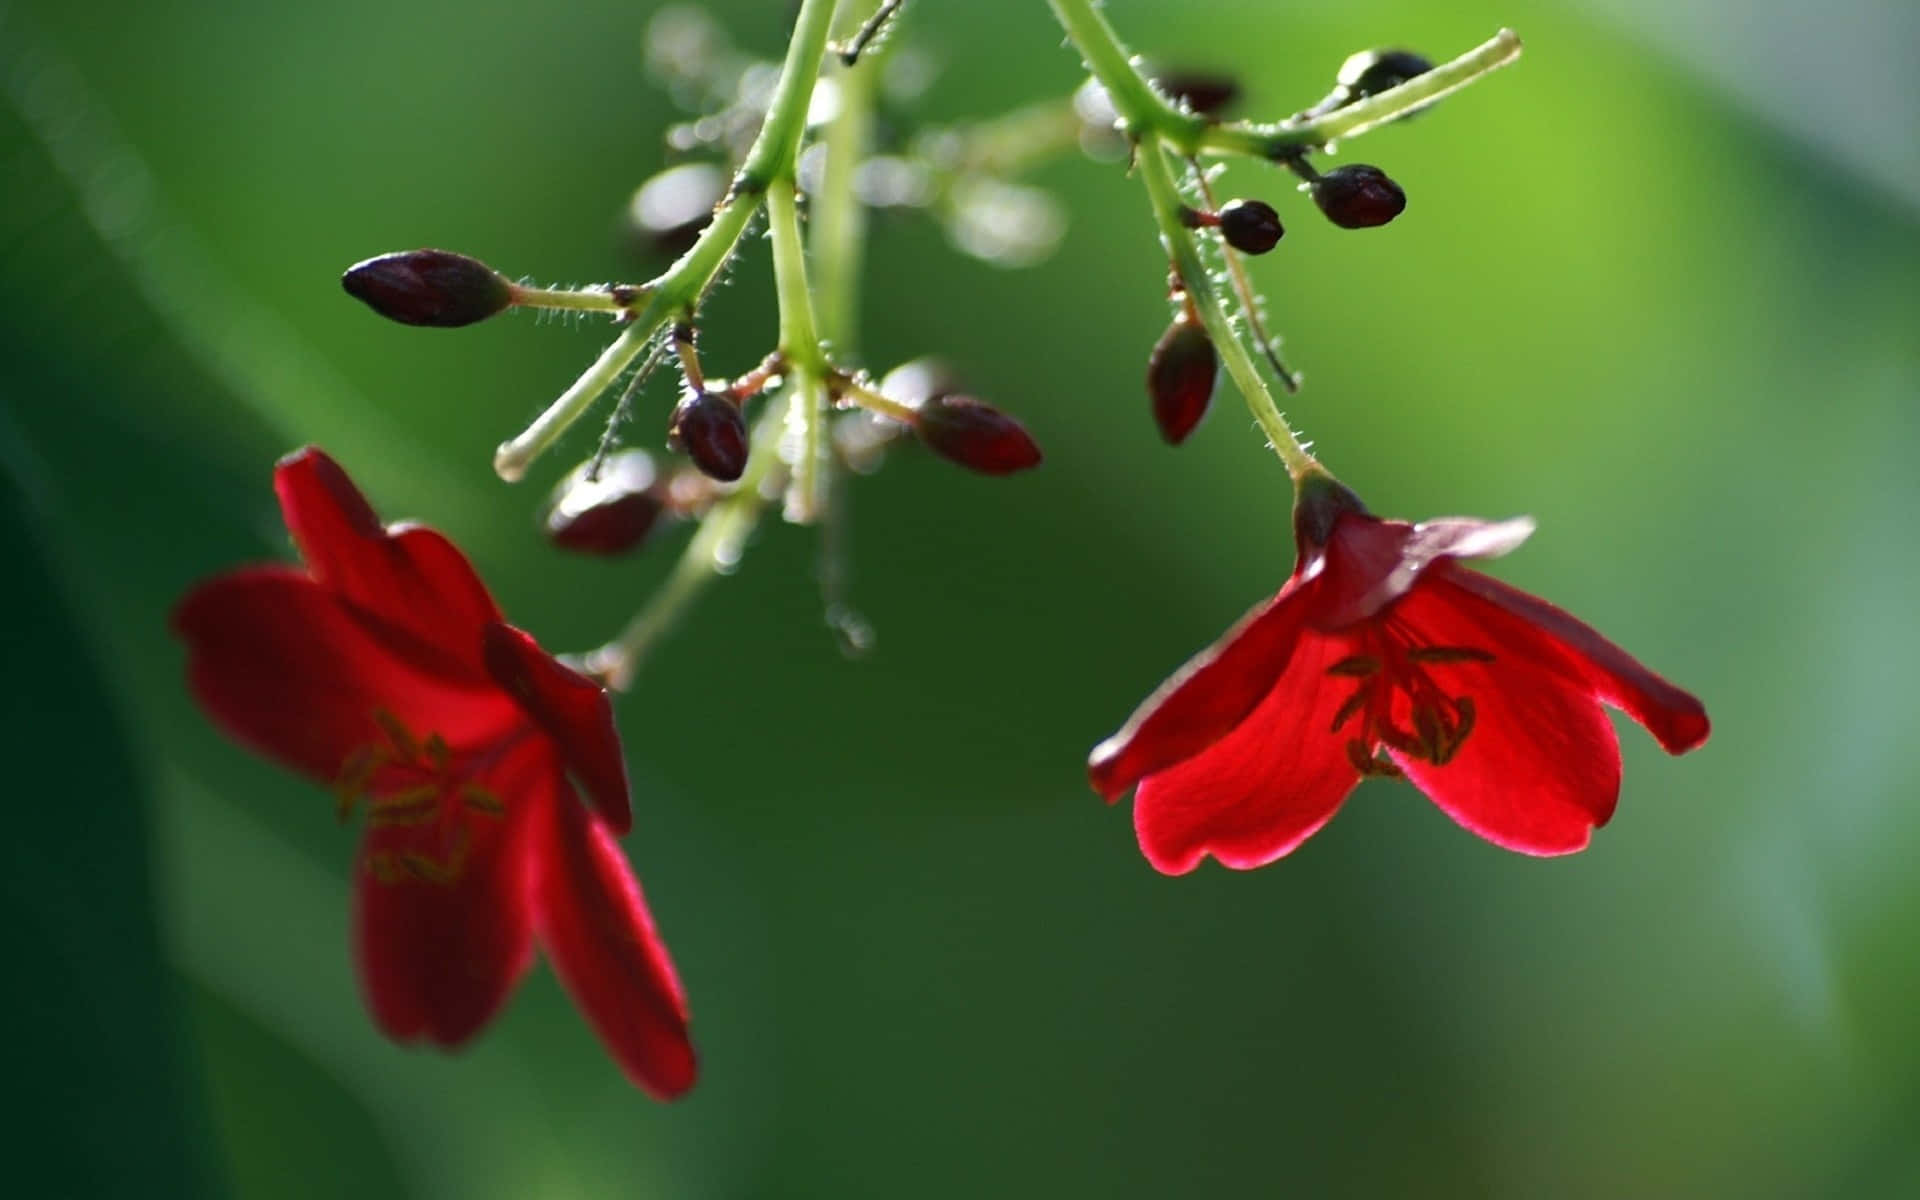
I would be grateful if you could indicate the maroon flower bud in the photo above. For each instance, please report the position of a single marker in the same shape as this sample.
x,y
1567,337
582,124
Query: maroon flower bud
x,y
977,436
708,428
1371,72
1180,375
1204,93
429,287
1368,73
1250,226
1358,196
668,211
608,515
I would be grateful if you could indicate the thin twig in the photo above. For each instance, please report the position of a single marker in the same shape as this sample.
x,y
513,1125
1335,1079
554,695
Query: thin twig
x,y
850,50
609,437
1244,291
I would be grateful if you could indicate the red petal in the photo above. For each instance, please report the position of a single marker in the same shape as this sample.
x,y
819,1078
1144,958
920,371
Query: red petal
x,y
596,928
1674,717
438,957
1263,789
574,712
410,576
1206,698
284,667
1540,769
1370,563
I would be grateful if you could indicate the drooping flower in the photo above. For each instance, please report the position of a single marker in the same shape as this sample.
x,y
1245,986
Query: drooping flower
x,y
1383,655
384,669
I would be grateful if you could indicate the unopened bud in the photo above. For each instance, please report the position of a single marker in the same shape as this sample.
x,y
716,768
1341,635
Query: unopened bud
x,y
608,515
977,436
1180,377
1371,72
429,287
1204,93
1250,226
1358,196
707,426
668,211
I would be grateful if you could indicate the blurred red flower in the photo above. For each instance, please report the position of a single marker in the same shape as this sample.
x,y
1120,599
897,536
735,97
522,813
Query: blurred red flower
x,y
384,668
1382,655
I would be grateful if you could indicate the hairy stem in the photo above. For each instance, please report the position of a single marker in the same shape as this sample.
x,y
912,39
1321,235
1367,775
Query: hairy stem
x,y
680,288
1281,138
1164,193
808,313
800,343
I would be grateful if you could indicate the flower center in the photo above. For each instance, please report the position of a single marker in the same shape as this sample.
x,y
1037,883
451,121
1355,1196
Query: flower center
x,y
420,798
1397,704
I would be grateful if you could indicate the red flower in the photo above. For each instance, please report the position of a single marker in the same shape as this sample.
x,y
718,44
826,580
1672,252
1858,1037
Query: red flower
x,y
1382,655
385,669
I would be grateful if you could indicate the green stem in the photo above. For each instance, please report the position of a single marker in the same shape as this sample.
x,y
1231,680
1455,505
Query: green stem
x,y
613,298
681,287
778,146
837,221
1142,108
511,460
1151,162
1277,140
713,550
1007,145
1145,112
875,402
716,545
799,334
1157,126
800,343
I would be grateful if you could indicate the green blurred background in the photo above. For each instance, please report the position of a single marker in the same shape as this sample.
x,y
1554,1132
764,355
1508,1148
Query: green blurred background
x,y
1659,285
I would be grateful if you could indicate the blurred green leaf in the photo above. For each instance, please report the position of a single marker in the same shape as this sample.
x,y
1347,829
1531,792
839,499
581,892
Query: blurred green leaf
x,y
110,1082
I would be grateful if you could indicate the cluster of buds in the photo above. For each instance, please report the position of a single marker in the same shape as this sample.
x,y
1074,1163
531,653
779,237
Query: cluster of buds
x,y
1183,365
768,139
611,502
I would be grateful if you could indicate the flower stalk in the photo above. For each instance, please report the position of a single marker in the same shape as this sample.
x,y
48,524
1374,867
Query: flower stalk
x,y
616,299
810,311
1164,193
1157,127
800,343
685,283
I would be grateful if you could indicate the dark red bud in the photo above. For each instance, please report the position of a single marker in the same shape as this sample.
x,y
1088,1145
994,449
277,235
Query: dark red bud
x,y
708,427
1180,377
1358,196
429,287
1203,92
977,436
669,210
608,515
1371,72
1250,226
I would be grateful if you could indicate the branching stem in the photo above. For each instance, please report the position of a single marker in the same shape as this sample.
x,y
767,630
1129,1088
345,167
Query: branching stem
x,y
680,288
